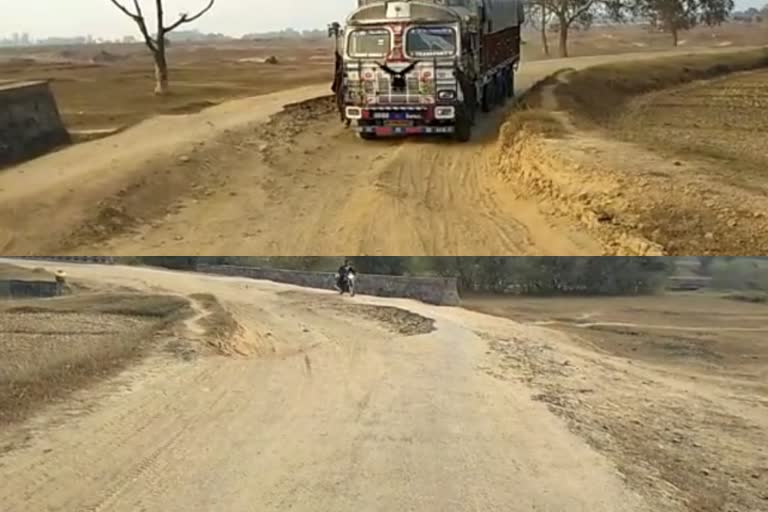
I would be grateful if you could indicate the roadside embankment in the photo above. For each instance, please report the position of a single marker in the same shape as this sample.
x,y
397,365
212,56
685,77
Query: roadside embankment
x,y
559,147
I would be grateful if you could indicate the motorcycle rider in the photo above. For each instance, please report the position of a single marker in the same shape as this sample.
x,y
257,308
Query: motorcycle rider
x,y
343,272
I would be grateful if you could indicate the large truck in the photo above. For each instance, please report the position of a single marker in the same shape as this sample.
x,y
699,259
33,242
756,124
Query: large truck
x,y
425,66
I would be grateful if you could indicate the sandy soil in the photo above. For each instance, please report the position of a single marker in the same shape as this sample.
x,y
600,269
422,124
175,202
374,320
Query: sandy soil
x,y
671,388
223,182
346,413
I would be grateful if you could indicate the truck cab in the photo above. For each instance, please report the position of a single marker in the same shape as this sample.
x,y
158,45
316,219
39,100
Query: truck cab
x,y
413,67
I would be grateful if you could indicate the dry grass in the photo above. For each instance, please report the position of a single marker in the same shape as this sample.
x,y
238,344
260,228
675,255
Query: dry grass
x,y
52,347
599,93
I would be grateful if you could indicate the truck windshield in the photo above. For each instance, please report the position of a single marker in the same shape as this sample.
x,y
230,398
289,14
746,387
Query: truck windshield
x,y
430,42
369,43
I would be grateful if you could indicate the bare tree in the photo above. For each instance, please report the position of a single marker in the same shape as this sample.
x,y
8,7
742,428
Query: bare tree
x,y
539,16
158,43
568,12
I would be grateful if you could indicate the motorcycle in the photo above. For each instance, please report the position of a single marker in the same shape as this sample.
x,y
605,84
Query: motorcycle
x,y
347,285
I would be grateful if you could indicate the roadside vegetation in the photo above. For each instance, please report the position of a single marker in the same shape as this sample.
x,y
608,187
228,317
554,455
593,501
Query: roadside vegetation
x,y
53,347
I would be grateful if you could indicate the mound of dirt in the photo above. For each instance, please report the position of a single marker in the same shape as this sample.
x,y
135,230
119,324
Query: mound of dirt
x,y
221,330
396,320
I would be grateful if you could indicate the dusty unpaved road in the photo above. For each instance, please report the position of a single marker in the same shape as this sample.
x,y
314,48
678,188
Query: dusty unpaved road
x,y
224,182
334,411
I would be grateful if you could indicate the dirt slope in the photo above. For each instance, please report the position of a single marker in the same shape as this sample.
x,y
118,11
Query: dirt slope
x,y
217,182
343,415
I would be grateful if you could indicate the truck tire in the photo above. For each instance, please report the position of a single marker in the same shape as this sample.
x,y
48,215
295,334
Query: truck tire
x,y
366,135
463,125
511,84
502,88
487,102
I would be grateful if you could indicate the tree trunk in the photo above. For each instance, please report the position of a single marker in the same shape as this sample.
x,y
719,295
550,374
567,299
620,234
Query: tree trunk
x,y
161,73
563,37
161,63
544,40
675,38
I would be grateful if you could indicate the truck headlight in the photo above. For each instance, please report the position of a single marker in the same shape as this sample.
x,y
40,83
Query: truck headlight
x,y
446,95
445,113
354,112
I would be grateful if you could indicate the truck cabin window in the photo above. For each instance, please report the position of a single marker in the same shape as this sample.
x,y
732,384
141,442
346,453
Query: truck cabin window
x,y
430,42
369,43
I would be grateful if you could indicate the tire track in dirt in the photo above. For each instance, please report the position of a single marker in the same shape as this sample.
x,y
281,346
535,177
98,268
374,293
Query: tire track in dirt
x,y
375,425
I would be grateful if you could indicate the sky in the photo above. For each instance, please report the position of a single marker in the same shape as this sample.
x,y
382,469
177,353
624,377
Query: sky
x,y
42,18
100,18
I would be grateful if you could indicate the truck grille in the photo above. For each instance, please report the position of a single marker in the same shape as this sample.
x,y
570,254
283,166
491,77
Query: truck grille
x,y
381,90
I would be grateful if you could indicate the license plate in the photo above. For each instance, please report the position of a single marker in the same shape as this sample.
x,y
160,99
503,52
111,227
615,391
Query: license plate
x,y
399,123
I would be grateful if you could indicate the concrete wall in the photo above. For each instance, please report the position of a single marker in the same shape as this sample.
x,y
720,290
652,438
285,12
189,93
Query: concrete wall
x,y
433,290
30,124
15,289
107,260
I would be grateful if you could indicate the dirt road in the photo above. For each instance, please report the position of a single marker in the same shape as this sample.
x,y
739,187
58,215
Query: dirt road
x,y
341,412
223,182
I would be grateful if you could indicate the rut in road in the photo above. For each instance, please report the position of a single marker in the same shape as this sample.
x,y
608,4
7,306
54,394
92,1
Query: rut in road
x,y
303,196
382,422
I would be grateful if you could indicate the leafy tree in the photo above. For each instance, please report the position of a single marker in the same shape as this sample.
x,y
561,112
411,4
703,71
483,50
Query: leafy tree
x,y
390,265
705,263
674,16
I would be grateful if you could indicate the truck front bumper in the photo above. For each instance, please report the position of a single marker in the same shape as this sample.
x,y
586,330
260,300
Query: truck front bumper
x,y
383,131
403,120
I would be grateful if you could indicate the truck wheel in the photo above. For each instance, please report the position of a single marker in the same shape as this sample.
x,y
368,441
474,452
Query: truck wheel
x,y
366,135
486,104
511,84
463,125
502,88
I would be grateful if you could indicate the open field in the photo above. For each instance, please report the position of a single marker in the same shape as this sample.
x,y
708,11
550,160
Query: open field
x,y
672,388
110,86
719,122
